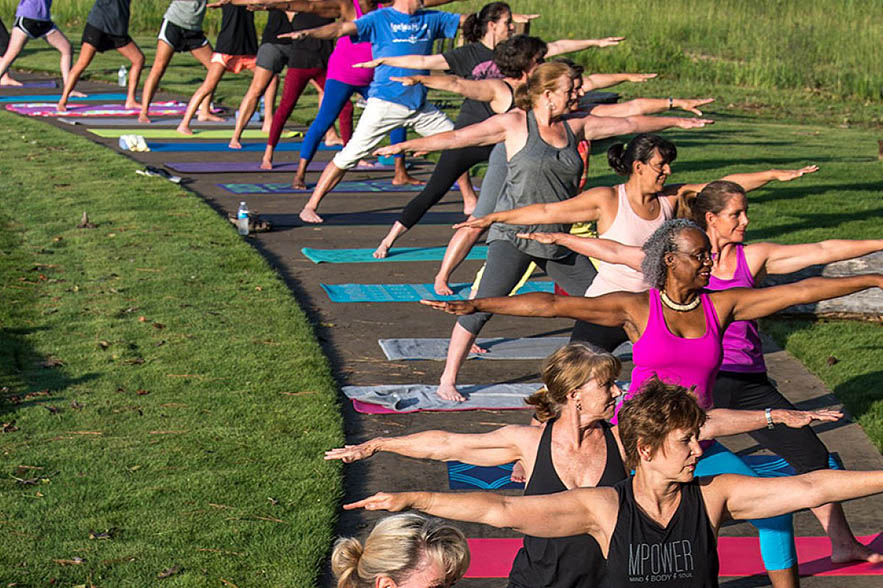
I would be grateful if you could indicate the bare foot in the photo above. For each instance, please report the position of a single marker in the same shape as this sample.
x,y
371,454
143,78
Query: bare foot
x,y
308,215
381,251
449,392
365,163
75,94
133,105
61,106
298,183
265,128
331,138
406,180
476,349
143,118
518,474
234,144
469,203
184,129
10,83
266,164
441,287
209,118
854,551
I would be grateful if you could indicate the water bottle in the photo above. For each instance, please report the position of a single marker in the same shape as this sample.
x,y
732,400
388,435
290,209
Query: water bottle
x,y
262,109
242,219
122,76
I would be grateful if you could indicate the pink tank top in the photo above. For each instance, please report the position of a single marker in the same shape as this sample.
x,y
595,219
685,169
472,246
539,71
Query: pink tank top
x,y
629,229
743,351
687,362
345,54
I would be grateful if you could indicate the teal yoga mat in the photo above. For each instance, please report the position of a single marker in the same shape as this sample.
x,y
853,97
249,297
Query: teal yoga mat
x,y
395,254
355,186
410,292
56,97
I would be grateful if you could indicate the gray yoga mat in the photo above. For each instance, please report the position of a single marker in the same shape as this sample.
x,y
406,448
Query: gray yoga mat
x,y
497,348
223,167
417,397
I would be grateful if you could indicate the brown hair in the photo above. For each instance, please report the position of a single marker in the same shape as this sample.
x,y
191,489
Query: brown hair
x,y
395,548
544,77
566,370
713,198
657,410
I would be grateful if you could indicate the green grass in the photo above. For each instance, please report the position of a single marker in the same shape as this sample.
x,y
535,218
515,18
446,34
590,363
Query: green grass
x,y
165,386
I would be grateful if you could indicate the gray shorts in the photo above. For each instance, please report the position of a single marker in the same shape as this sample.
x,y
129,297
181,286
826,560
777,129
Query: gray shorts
x,y
273,57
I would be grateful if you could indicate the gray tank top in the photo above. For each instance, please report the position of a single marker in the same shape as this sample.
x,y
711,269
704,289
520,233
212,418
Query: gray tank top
x,y
539,173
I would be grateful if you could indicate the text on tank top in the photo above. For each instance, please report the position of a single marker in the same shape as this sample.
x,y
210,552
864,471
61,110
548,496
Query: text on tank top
x,y
743,351
629,229
678,360
564,562
683,554
538,173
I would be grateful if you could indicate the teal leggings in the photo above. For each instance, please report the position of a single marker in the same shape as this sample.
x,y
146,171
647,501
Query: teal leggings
x,y
777,533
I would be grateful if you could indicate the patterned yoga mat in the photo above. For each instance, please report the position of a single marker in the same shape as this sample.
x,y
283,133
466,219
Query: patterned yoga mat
x,y
155,133
357,186
26,98
48,109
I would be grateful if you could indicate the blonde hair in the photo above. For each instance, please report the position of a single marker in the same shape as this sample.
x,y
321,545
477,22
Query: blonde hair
x,y
567,369
395,547
544,77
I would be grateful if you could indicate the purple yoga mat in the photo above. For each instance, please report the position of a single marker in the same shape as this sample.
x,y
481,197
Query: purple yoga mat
x,y
46,84
214,167
49,109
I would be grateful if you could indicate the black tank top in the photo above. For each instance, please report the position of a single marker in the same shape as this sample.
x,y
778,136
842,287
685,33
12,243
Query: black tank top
x,y
681,555
566,562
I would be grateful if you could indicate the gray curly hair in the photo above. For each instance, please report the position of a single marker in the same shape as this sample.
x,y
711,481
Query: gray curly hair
x,y
658,244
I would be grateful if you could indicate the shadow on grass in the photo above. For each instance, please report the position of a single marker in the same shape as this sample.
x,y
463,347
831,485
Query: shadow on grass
x,y
814,220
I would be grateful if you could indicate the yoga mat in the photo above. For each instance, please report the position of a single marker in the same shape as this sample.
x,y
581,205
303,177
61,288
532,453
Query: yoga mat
x,y
405,398
409,292
163,122
183,146
48,109
365,217
222,167
739,556
23,98
395,254
46,84
497,348
464,476
356,186
155,133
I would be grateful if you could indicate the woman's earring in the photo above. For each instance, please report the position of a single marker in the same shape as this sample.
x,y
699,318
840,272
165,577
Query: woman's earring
x,y
579,405
549,105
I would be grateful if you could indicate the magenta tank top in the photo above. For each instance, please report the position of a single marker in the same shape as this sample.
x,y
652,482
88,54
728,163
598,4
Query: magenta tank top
x,y
742,348
345,54
687,362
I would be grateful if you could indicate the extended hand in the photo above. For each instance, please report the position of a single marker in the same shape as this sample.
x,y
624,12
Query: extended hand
x,y
476,223
457,307
639,78
393,502
691,104
350,453
296,35
693,123
545,238
406,80
389,150
523,18
609,41
786,175
800,418
369,64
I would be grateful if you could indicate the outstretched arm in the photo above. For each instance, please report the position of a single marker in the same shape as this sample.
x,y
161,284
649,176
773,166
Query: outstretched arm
x,y
481,90
570,45
748,181
485,449
436,61
611,310
324,8
640,106
573,512
744,304
725,421
604,249
602,127
743,497
488,132
598,81
330,31
583,207
784,259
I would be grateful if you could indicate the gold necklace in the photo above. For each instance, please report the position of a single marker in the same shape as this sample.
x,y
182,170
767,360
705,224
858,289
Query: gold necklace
x,y
677,306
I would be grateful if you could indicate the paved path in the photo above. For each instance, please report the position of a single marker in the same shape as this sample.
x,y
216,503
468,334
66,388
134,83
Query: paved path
x,y
349,334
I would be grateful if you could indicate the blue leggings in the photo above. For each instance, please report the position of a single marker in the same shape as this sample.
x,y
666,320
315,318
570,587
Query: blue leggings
x,y
776,533
336,95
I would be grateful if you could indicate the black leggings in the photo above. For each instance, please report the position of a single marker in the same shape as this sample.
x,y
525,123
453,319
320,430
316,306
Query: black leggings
x,y
4,38
746,391
598,337
451,165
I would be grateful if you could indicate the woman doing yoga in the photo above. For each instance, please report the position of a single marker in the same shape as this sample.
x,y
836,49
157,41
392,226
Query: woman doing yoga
x,y
575,447
659,527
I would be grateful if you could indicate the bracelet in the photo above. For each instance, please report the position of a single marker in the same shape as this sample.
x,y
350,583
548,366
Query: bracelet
x,y
768,413
671,103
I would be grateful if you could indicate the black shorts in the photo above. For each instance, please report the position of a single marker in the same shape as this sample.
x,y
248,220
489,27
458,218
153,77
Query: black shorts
x,y
103,41
181,39
34,29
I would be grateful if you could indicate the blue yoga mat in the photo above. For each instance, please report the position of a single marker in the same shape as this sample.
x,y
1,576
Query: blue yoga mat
x,y
56,97
395,254
409,292
356,186
464,476
191,146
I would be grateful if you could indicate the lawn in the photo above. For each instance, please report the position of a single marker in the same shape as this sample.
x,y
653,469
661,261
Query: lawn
x,y
164,401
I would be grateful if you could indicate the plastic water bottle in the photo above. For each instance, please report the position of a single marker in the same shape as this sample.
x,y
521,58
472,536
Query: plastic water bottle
x,y
242,219
122,76
262,109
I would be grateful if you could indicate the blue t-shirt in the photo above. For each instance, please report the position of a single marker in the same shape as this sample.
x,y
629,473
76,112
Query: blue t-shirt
x,y
393,33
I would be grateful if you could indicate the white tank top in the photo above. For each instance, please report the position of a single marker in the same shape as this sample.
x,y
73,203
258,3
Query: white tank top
x,y
629,229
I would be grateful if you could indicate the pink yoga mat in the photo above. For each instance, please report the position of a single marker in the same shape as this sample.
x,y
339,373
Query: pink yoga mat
x,y
739,556
48,109
368,408
213,167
